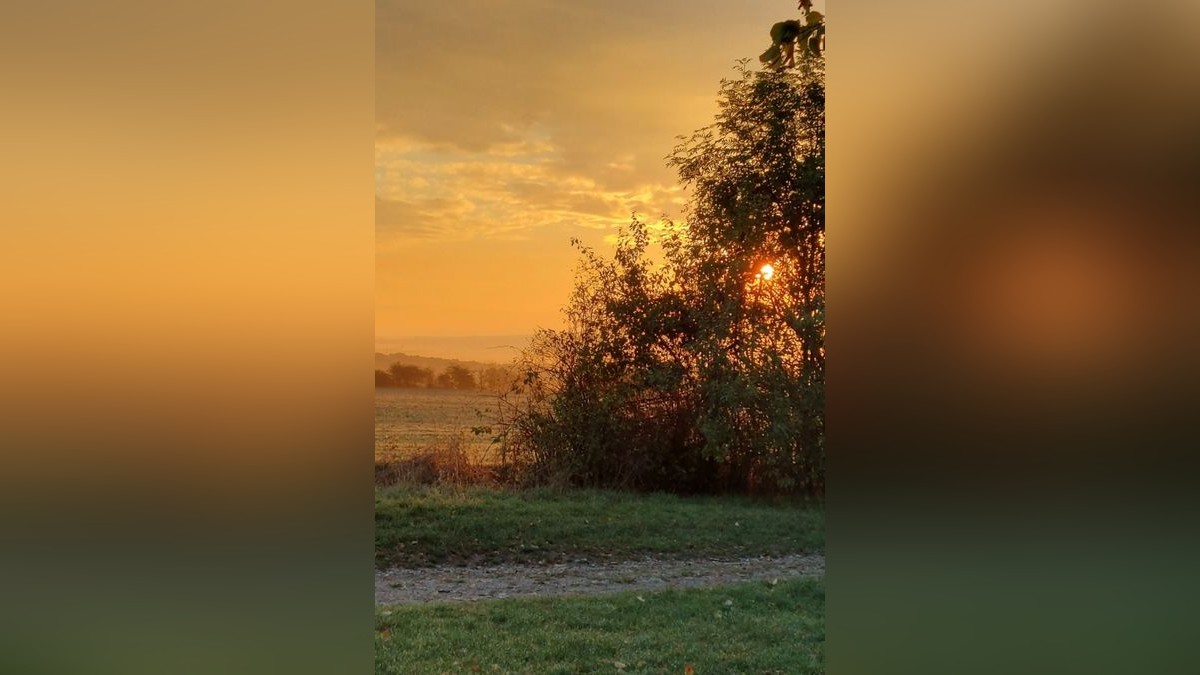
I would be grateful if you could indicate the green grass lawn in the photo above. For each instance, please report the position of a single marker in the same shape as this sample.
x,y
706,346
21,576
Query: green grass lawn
x,y
420,526
744,628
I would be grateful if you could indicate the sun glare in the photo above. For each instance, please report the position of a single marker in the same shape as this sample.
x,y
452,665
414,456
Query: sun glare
x,y
767,271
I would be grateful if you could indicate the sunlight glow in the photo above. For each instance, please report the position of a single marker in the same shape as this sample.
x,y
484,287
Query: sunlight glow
x,y
767,271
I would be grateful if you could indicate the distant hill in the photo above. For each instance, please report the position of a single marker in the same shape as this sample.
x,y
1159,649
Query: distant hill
x,y
384,361
491,349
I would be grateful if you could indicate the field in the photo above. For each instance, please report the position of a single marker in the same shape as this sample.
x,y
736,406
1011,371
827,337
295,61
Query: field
x,y
410,420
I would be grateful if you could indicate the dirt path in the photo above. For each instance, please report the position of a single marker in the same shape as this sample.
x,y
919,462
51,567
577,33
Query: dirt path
x,y
449,583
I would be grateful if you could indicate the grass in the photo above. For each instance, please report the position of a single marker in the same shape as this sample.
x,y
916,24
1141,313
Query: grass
x,y
422,526
744,628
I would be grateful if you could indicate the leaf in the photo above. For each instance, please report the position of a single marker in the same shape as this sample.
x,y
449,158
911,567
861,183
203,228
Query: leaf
x,y
814,17
814,44
688,669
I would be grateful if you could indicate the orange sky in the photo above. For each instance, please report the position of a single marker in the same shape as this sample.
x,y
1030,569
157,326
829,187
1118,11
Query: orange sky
x,y
506,127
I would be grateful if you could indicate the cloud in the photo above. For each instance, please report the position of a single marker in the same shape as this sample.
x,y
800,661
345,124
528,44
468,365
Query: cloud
x,y
494,118
429,191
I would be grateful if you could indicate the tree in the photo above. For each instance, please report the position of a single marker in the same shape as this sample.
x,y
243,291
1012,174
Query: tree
x,y
496,378
383,379
705,371
410,376
455,377
758,182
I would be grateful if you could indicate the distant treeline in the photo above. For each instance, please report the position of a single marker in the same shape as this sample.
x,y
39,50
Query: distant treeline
x,y
495,378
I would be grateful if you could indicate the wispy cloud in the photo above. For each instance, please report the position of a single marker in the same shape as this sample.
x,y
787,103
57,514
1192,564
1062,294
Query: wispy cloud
x,y
424,190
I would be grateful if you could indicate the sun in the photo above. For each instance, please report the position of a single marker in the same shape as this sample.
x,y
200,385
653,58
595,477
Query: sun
x,y
766,271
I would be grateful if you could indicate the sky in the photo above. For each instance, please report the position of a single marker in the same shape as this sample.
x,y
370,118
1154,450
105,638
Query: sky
x,y
504,128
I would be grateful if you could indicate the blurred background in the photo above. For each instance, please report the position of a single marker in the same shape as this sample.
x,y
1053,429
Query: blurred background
x,y
1012,291
187,213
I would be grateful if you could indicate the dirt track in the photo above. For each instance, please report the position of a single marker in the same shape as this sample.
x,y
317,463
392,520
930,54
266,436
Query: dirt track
x,y
399,586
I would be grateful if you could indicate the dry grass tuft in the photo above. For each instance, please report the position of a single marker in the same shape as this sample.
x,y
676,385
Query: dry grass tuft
x,y
446,462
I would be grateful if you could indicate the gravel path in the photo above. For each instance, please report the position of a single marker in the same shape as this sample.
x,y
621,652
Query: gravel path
x,y
399,586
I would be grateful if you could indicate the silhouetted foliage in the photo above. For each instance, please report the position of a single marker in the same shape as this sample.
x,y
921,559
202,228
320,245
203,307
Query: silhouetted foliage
x,y
493,378
706,371
792,38
456,377
410,376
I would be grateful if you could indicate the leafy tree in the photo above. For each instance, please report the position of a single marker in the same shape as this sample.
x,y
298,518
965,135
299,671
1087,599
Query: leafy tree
x,y
384,379
456,377
496,378
753,264
410,376
705,371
